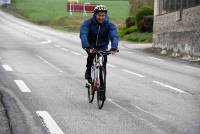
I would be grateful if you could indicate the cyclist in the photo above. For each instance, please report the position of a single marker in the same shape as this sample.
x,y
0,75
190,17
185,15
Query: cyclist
x,y
95,34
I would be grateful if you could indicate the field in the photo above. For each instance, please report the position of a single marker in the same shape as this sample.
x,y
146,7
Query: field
x,y
53,12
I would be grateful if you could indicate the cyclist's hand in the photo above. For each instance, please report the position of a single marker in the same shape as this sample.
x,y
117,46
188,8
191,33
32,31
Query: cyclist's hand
x,y
113,51
92,50
87,49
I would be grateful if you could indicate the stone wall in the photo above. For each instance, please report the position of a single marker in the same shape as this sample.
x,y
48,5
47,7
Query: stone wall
x,y
178,35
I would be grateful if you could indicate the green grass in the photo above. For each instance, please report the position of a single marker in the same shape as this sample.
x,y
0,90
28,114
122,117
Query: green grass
x,y
40,10
132,34
53,12
139,37
118,9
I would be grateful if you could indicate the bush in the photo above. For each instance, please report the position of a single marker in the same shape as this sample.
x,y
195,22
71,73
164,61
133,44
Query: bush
x,y
125,31
131,30
140,13
122,32
130,21
139,37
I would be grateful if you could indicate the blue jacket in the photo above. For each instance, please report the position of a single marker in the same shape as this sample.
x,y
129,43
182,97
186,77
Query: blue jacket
x,y
91,30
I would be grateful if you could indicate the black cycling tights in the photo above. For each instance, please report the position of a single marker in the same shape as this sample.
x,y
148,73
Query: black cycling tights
x,y
90,58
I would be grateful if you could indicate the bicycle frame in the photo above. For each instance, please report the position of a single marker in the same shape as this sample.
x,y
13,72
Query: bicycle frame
x,y
98,83
98,62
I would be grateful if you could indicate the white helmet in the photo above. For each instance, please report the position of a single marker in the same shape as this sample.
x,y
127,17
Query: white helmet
x,y
100,8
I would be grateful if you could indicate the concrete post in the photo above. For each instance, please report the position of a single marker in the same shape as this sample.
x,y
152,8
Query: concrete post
x,y
156,7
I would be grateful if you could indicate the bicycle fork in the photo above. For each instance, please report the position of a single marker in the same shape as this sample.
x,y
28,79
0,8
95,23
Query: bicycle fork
x,y
96,78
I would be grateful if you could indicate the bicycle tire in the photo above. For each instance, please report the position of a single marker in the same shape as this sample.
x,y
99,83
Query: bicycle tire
x,y
90,93
102,88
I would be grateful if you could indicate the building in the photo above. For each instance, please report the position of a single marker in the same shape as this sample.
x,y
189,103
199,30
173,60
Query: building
x,y
5,2
177,26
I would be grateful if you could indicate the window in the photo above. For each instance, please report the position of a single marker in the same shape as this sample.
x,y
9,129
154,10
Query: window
x,y
167,6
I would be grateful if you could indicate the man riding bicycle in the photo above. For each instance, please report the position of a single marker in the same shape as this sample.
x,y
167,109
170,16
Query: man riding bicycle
x,y
95,34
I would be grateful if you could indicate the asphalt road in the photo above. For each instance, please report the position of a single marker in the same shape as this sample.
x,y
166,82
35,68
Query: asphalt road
x,y
44,69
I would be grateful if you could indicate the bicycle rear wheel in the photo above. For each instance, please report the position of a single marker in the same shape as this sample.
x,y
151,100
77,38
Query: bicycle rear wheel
x,y
102,88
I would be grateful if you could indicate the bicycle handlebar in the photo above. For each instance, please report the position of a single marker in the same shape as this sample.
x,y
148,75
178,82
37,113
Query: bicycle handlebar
x,y
107,52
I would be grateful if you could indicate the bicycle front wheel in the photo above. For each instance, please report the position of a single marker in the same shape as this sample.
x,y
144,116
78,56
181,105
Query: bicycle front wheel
x,y
102,88
90,86
90,93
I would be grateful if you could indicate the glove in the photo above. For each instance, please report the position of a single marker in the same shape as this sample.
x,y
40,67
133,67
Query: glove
x,y
113,51
87,49
90,50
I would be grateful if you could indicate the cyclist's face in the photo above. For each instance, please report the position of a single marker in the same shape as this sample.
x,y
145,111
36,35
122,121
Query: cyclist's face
x,y
100,17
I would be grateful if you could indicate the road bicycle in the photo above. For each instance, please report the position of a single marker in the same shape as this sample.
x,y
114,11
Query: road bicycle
x,y
98,81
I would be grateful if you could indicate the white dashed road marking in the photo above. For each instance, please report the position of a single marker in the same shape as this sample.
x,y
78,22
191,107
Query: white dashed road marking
x,y
49,122
130,72
57,46
22,86
170,87
110,65
7,68
51,65
73,52
65,49
154,58
46,42
129,52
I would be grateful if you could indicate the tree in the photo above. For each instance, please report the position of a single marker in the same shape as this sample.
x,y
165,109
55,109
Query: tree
x,y
135,4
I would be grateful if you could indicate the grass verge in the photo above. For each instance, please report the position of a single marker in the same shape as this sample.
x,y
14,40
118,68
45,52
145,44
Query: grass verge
x,y
53,13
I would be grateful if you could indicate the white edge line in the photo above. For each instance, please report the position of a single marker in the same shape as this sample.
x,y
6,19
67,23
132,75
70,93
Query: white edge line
x,y
130,72
51,65
139,108
119,106
170,87
22,86
191,67
7,68
135,107
132,114
73,52
49,122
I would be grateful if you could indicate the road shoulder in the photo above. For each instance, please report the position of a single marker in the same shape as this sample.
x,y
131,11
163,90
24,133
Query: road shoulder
x,y
17,120
4,122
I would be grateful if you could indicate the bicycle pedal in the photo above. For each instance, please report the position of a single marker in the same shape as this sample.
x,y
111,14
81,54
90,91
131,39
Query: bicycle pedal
x,y
87,85
89,81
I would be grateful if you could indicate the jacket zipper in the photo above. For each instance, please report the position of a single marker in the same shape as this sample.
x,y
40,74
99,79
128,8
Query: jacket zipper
x,y
98,35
